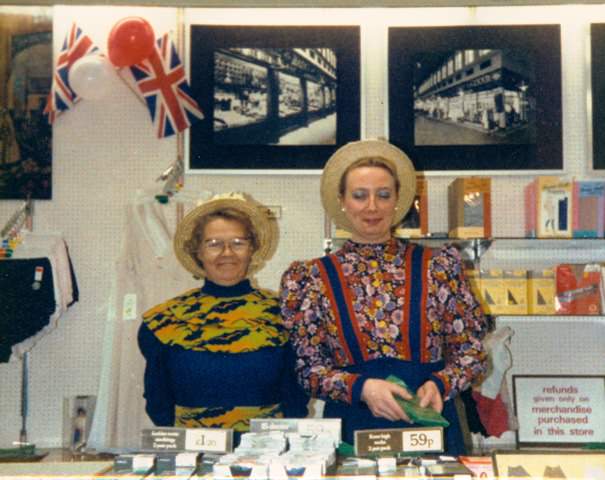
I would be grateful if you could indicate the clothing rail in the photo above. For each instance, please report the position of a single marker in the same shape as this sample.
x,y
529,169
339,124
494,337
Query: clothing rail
x,y
21,216
172,177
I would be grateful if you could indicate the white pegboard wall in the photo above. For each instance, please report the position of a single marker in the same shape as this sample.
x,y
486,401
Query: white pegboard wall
x,y
104,151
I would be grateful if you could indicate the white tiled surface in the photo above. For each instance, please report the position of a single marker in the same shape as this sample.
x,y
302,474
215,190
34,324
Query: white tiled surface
x,y
104,151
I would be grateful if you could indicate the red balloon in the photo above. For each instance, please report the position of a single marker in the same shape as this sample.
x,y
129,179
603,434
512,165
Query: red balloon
x,y
130,41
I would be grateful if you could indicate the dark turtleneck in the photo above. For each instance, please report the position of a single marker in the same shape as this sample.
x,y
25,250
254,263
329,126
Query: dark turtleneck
x,y
237,290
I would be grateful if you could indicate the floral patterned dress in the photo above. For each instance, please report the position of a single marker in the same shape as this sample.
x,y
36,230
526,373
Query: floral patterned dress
x,y
371,310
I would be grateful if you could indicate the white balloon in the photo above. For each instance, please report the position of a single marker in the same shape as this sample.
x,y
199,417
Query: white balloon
x,y
91,77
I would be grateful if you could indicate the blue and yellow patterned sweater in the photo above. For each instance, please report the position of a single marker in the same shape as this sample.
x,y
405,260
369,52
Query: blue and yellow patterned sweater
x,y
217,357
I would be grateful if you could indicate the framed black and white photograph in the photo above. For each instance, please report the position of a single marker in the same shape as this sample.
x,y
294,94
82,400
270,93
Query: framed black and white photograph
x,y
274,98
597,44
481,98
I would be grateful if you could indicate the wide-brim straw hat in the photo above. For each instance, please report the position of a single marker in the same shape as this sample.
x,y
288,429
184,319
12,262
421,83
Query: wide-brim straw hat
x,y
352,152
265,228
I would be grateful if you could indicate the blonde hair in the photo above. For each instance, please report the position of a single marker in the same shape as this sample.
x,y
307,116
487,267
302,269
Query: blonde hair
x,y
368,162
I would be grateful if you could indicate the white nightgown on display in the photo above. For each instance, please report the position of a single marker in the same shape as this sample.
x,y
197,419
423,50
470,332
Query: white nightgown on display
x,y
146,272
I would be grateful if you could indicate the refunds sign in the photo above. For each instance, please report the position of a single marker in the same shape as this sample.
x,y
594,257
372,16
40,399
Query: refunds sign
x,y
561,410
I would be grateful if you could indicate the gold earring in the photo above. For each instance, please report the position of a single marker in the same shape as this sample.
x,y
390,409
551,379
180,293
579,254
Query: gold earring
x,y
343,209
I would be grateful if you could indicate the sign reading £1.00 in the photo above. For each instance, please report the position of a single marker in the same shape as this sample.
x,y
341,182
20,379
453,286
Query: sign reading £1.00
x,y
395,440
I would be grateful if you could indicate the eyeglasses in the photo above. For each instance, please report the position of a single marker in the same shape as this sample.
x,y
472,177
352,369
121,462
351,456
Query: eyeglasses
x,y
216,246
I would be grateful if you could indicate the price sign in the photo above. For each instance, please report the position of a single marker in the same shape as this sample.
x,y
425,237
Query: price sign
x,y
395,440
209,440
428,439
215,440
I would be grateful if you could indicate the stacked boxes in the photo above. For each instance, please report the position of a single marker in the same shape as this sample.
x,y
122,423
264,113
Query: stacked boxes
x,y
515,292
416,221
588,216
541,292
470,208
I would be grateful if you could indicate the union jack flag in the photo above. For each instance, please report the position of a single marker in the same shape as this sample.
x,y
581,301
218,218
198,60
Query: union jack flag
x,y
61,96
162,81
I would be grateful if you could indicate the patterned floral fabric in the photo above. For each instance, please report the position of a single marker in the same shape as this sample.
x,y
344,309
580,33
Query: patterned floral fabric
x,y
375,276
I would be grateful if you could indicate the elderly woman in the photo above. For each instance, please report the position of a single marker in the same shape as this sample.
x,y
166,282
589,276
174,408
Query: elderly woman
x,y
380,305
218,355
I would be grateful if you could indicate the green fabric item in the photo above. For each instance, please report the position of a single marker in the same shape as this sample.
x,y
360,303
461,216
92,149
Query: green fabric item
x,y
346,449
421,415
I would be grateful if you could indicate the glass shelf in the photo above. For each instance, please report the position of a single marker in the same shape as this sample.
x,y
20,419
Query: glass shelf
x,y
474,248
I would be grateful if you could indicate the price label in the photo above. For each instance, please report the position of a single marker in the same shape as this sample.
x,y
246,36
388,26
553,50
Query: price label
x,y
428,439
209,440
171,439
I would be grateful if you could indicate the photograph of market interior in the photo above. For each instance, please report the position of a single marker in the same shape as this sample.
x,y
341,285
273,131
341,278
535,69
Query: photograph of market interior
x,y
375,317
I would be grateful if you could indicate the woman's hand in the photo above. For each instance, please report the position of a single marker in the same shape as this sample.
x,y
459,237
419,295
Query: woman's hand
x,y
430,395
379,395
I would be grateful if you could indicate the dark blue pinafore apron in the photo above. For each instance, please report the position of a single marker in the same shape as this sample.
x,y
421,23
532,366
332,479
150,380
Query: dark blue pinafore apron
x,y
415,370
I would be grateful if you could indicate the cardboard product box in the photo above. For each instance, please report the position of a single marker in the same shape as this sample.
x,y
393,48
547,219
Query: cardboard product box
x,y
541,292
515,292
470,208
578,289
492,291
588,216
416,221
554,197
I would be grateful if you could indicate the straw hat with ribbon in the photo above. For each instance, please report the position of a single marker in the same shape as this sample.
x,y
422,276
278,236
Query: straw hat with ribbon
x,y
265,230
353,152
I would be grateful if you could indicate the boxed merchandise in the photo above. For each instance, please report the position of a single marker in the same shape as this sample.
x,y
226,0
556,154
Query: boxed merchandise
x,y
553,204
578,289
182,465
530,210
515,292
305,427
492,290
470,208
77,419
588,209
416,221
541,292
312,465
262,443
134,466
480,466
233,465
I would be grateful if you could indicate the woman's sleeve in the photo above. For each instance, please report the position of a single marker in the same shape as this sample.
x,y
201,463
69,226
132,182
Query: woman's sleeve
x,y
463,324
295,400
158,394
304,317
